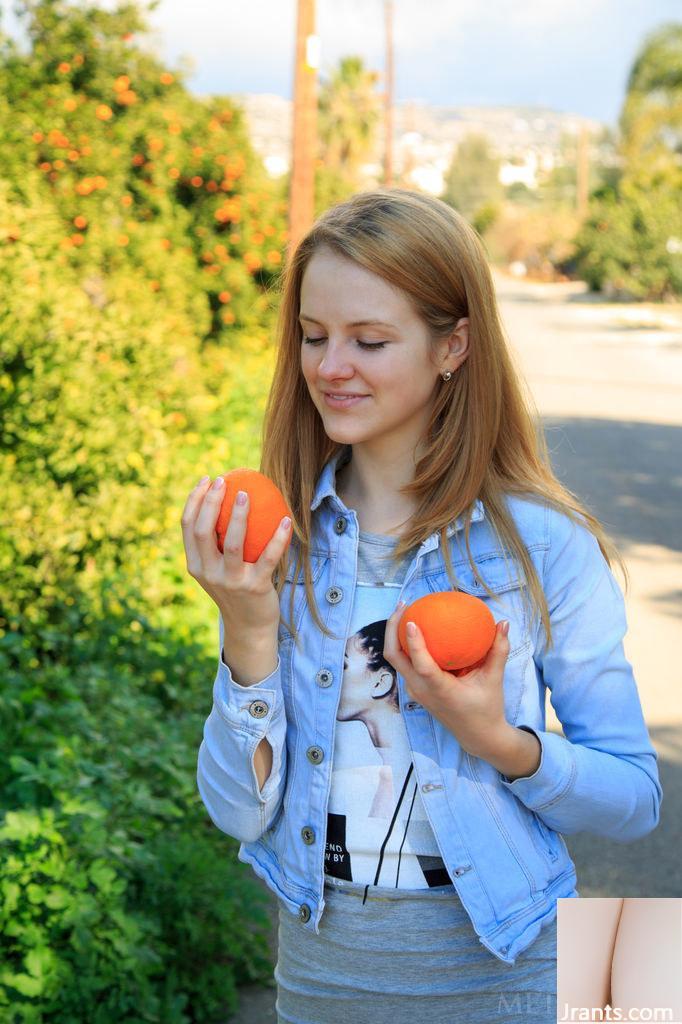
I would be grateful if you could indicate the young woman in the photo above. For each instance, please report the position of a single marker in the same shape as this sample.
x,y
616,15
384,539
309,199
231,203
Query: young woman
x,y
410,821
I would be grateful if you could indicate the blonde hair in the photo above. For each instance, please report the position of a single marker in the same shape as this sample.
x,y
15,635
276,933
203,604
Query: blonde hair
x,y
484,438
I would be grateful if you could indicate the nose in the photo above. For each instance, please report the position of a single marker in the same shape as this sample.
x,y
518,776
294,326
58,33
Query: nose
x,y
333,367
333,364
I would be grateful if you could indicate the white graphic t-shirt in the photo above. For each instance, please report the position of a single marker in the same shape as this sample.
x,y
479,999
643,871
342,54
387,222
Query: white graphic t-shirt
x,y
377,828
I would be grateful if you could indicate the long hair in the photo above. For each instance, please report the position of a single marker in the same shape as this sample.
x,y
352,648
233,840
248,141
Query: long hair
x,y
484,439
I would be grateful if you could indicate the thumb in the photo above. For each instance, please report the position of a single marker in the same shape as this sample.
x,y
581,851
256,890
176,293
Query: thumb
x,y
500,647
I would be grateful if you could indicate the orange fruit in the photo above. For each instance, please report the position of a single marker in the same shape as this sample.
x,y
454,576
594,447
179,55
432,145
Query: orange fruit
x,y
266,508
458,628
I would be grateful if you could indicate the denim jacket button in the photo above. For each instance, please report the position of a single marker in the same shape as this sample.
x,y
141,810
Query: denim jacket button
x,y
334,595
324,677
339,524
504,949
258,708
304,912
461,869
315,754
308,834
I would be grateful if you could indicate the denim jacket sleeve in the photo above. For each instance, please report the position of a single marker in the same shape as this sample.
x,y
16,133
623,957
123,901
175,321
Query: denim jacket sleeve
x,y
601,776
226,777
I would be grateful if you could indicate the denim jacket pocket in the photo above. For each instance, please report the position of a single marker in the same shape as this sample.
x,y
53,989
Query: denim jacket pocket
x,y
318,561
516,826
508,602
545,840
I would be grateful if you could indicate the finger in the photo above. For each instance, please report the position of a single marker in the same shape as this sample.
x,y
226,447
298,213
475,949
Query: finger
x,y
194,499
420,657
393,652
204,527
499,650
233,541
189,517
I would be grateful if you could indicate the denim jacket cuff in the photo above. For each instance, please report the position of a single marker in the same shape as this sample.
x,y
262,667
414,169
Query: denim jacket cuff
x,y
553,777
250,708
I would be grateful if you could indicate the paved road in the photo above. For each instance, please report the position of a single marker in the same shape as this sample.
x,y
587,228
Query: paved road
x,y
607,383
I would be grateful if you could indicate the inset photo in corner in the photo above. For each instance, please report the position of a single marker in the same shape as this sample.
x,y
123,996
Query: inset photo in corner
x,y
619,959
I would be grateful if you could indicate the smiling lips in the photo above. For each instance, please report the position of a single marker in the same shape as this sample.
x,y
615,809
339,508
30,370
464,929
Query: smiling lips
x,y
343,402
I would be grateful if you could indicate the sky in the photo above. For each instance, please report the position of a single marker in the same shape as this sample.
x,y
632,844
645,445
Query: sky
x,y
572,56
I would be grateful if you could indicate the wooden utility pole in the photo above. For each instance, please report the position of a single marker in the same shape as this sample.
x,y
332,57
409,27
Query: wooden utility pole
x,y
582,173
304,139
388,95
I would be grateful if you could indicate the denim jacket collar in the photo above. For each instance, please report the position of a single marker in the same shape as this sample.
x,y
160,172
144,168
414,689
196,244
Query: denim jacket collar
x,y
326,489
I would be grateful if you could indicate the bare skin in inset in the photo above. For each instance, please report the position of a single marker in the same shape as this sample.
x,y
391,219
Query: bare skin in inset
x,y
623,953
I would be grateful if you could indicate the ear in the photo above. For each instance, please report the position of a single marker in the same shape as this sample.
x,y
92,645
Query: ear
x,y
458,343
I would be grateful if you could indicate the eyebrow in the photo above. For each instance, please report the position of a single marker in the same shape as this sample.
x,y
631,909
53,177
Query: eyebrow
x,y
356,323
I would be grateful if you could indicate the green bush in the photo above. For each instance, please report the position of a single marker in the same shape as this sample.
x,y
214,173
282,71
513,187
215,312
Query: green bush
x,y
630,246
135,314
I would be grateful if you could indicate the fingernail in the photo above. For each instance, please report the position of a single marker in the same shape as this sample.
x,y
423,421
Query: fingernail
x,y
411,629
203,480
505,628
241,497
218,483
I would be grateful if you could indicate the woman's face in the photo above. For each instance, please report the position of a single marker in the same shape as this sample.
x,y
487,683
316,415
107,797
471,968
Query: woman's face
x,y
396,375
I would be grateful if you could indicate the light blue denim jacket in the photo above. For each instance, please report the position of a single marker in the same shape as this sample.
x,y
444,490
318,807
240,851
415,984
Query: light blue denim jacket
x,y
500,840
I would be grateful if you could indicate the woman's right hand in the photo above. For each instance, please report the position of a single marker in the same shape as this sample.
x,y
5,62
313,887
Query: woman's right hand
x,y
243,591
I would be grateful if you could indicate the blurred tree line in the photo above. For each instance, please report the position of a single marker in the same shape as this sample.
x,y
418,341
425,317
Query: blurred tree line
x,y
630,244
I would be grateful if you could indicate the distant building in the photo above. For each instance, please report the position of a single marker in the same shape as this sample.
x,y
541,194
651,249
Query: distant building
x,y
528,139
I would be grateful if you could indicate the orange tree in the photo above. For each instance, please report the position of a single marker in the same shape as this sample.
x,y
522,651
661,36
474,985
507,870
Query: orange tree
x,y
139,239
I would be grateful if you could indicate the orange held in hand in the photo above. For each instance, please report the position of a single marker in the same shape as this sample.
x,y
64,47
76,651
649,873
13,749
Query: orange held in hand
x,y
266,509
459,629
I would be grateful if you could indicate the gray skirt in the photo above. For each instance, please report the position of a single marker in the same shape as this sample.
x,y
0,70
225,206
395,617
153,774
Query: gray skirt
x,y
406,955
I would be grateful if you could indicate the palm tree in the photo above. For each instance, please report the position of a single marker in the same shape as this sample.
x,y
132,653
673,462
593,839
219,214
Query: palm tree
x,y
651,118
348,114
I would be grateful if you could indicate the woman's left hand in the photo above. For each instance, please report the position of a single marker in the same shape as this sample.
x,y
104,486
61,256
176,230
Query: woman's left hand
x,y
470,706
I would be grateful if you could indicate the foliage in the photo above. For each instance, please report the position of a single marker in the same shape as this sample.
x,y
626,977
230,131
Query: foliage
x,y
347,119
139,240
112,905
631,244
539,237
472,184
651,117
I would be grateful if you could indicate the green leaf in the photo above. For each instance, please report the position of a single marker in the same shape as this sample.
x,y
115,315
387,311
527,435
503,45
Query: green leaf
x,y
23,983
102,875
11,892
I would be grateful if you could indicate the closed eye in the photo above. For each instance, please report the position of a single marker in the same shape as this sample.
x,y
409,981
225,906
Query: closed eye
x,y
362,344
